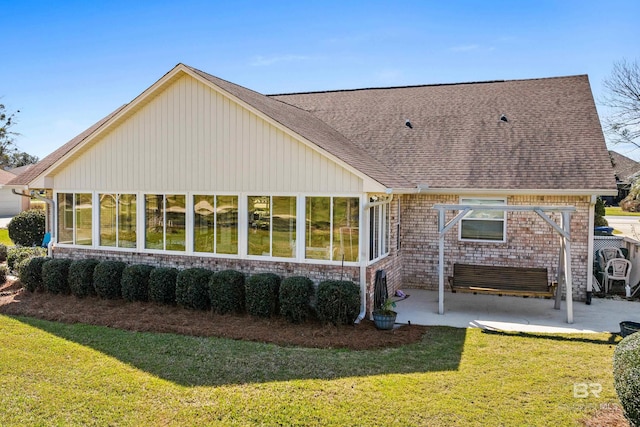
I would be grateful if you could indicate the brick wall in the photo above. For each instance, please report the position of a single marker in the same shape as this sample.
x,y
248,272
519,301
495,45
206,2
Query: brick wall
x,y
531,242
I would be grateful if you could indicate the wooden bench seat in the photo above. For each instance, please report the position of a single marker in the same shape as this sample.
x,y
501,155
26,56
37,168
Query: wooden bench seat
x,y
515,281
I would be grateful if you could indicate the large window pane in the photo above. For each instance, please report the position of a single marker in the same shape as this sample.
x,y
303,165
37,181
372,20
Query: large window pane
x,y
227,224
65,218
203,223
83,219
154,221
345,228
318,228
283,221
176,209
108,219
127,221
259,225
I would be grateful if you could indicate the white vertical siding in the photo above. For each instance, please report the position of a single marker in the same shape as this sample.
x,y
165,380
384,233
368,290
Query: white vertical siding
x,y
190,138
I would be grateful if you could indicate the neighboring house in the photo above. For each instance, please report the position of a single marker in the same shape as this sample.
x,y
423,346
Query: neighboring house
x,y
200,172
626,170
10,204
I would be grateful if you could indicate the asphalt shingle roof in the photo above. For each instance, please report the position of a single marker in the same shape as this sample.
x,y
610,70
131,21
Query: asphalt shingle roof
x,y
552,139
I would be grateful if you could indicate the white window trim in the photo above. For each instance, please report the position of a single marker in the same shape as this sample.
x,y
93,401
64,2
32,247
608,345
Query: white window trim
x,y
383,225
504,220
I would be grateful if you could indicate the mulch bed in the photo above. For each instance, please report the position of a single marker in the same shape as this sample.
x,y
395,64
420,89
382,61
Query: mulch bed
x,y
151,317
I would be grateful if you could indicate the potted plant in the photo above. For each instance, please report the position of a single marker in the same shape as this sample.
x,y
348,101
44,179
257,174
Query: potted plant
x,y
384,317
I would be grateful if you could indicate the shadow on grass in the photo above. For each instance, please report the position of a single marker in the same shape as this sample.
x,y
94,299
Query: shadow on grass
x,y
611,340
196,361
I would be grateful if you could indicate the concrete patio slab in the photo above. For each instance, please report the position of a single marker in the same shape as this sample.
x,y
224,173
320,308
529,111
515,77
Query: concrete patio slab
x,y
513,313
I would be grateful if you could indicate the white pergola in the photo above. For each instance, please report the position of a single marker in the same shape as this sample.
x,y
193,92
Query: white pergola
x,y
563,229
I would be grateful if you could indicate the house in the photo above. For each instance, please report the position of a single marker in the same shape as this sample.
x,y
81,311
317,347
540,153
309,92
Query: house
x,y
200,172
10,204
625,170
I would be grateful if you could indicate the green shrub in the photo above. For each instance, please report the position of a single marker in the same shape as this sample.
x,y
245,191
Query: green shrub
x,y
81,277
107,278
162,285
338,302
31,273
4,271
3,253
19,253
192,288
135,282
626,376
295,298
27,228
261,294
226,292
54,276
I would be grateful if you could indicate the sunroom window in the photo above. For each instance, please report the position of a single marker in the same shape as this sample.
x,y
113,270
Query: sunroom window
x,y
118,220
331,229
215,224
379,230
483,225
74,218
272,226
165,217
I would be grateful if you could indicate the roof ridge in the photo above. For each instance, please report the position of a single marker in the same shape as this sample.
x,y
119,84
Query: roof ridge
x,y
479,82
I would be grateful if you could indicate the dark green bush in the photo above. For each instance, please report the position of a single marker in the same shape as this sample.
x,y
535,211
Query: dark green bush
x,y
3,253
192,288
81,277
27,228
4,271
162,285
261,294
54,276
31,273
295,298
19,253
226,292
338,302
135,282
626,376
107,277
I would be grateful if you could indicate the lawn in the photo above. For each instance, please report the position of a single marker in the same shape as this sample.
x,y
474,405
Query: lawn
x,y
59,374
4,237
617,211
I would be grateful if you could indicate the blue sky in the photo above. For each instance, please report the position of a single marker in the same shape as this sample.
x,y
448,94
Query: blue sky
x,y
67,64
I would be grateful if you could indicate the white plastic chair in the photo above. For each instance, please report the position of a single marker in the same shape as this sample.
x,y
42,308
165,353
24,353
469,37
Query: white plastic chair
x,y
617,269
605,254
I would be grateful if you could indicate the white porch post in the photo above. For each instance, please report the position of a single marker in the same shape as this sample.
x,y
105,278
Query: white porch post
x,y
441,232
566,238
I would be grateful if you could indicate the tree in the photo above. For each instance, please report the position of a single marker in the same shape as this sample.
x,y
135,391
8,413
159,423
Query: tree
x,y
623,97
10,156
7,120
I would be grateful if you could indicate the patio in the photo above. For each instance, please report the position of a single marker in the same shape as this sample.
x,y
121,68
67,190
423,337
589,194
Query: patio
x,y
513,313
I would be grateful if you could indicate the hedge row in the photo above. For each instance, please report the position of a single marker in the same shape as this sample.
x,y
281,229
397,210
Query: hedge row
x,y
261,295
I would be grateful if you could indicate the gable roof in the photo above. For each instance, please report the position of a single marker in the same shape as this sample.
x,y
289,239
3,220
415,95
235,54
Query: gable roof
x,y
624,167
552,139
6,176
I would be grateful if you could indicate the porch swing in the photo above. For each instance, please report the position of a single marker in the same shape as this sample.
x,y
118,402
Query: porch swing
x,y
516,281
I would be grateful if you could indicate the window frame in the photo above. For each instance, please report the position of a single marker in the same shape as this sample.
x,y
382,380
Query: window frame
x,y
470,200
72,211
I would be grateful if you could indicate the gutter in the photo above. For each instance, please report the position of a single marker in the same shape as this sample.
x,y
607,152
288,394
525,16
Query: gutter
x,y
424,189
47,223
363,261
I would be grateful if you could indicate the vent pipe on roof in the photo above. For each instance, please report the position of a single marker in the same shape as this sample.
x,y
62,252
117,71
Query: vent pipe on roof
x,y
503,118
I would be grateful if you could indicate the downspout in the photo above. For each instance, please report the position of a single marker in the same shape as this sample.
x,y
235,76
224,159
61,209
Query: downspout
x,y
364,252
47,222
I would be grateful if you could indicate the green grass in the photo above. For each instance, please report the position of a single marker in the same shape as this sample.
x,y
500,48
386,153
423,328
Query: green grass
x,y
57,374
617,211
4,237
